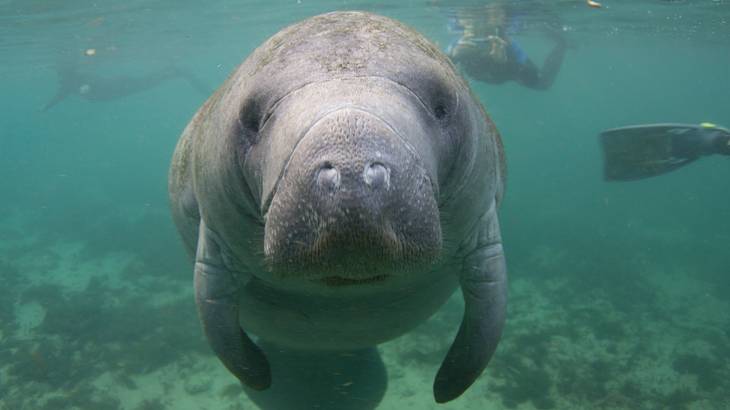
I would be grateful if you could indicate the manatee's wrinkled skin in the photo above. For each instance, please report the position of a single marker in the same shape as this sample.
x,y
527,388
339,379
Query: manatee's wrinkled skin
x,y
335,191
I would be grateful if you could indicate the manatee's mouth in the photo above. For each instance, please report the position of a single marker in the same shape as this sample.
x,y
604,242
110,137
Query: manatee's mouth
x,y
339,259
339,281
351,254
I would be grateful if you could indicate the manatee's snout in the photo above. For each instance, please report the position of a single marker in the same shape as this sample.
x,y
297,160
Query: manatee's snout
x,y
354,203
375,176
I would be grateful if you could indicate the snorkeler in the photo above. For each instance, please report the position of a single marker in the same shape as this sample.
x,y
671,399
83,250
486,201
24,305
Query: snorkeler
x,y
643,151
92,87
486,51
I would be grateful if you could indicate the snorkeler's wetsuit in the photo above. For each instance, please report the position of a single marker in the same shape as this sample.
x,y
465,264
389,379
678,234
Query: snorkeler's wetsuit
x,y
473,56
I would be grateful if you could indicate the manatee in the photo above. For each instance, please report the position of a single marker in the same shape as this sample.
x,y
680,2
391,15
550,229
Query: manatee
x,y
334,192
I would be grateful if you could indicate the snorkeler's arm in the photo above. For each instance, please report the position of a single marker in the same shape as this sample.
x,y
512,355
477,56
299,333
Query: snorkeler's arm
x,y
528,74
541,79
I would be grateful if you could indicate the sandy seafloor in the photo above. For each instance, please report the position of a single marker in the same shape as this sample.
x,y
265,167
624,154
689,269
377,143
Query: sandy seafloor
x,y
87,326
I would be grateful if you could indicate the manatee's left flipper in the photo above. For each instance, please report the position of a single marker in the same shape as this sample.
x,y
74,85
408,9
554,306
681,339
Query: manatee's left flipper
x,y
216,294
484,286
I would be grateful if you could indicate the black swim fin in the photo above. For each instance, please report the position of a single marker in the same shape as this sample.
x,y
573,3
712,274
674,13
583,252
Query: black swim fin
x,y
643,151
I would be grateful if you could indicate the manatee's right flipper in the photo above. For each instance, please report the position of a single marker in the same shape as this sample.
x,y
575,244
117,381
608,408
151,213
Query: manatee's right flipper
x,y
216,294
484,286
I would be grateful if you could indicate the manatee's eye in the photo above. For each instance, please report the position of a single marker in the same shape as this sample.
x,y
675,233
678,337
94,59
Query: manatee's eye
x,y
440,98
249,121
439,111
247,126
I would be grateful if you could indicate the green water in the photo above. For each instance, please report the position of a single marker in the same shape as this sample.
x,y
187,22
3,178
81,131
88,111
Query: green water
x,y
618,291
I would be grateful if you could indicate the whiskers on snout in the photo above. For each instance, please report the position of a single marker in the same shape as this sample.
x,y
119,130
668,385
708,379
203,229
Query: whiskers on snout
x,y
351,256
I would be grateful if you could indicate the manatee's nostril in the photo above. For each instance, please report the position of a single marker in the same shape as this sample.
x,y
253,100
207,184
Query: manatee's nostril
x,y
377,176
328,177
